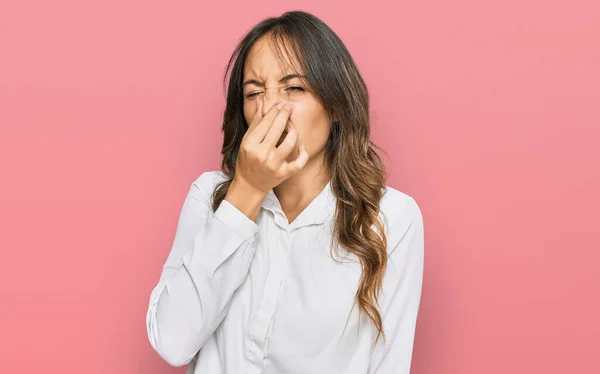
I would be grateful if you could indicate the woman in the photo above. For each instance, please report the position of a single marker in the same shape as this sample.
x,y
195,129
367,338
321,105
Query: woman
x,y
295,258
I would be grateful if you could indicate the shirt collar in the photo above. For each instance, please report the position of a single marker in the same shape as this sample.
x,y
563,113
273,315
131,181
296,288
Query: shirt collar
x,y
317,211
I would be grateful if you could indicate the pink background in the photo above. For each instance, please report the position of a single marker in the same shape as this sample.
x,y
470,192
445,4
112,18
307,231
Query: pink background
x,y
488,111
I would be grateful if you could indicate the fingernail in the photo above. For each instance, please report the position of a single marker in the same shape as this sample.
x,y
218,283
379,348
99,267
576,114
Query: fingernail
x,y
288,106
280,105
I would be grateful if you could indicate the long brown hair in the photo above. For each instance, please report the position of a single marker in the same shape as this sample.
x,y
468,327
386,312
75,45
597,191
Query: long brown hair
x,y
357,173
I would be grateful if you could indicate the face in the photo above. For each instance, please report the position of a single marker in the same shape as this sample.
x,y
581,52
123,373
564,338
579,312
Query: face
x,y
308,116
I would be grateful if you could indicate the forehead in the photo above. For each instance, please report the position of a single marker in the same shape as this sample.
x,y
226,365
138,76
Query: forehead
x,y
263,61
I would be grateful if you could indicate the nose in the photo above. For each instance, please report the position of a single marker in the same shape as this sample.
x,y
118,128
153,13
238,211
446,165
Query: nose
x,y
270,98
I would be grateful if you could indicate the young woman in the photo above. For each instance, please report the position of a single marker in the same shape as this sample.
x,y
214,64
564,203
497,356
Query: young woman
x,y
295,257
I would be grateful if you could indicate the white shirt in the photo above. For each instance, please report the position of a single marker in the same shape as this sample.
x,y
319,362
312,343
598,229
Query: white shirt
x,y
237,296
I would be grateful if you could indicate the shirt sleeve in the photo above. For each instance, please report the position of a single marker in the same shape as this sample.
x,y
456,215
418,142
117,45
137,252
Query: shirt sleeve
x,y
401,294
208,261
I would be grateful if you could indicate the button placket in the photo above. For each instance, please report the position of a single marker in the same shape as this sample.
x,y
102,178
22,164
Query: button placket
x,y
266,309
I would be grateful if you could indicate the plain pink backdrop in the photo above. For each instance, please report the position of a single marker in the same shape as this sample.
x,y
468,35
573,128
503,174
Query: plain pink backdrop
x,y
489,112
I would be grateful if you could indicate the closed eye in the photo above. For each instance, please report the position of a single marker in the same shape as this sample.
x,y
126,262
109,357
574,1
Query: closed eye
x,y
295,88
290,88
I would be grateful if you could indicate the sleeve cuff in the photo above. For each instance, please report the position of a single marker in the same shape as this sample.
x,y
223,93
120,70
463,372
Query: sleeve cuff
x,y
237,221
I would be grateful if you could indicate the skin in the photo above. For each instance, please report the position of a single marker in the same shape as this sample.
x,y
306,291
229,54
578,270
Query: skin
x,y
308,117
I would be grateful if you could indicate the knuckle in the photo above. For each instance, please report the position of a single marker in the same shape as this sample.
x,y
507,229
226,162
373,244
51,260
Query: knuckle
x,y
245,148
273,168
262,157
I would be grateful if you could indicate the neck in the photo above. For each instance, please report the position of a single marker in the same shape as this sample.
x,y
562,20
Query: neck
x,y
305,185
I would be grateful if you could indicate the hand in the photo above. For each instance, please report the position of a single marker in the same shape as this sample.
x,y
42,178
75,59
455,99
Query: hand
x,y
262,162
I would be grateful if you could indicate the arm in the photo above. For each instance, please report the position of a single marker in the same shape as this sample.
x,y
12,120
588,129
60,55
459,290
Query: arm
x,y
208,261
401,294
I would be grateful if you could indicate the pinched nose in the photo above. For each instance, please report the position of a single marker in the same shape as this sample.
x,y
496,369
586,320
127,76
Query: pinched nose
x,y
268,103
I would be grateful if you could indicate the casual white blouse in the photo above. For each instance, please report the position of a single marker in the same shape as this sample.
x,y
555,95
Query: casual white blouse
x,y
238,296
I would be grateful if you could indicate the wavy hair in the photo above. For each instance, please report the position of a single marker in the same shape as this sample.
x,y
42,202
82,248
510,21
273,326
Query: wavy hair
x,y
357,173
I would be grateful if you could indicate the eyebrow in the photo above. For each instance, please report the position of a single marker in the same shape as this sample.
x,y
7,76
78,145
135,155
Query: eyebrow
x,y
284,79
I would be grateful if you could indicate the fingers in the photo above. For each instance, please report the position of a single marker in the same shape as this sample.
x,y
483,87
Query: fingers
x,y
296,165
288,144
276,129
258,114
263,123
286,147
264,133
257,117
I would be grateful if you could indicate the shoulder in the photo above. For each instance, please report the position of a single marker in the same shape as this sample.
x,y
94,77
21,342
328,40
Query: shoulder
x,y
207,181
401,213
399,207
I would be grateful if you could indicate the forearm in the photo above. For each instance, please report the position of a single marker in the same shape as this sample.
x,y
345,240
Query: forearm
x,y
187,306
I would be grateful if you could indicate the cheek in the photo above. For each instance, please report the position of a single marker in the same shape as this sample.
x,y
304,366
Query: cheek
x,y
311,123
248,112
